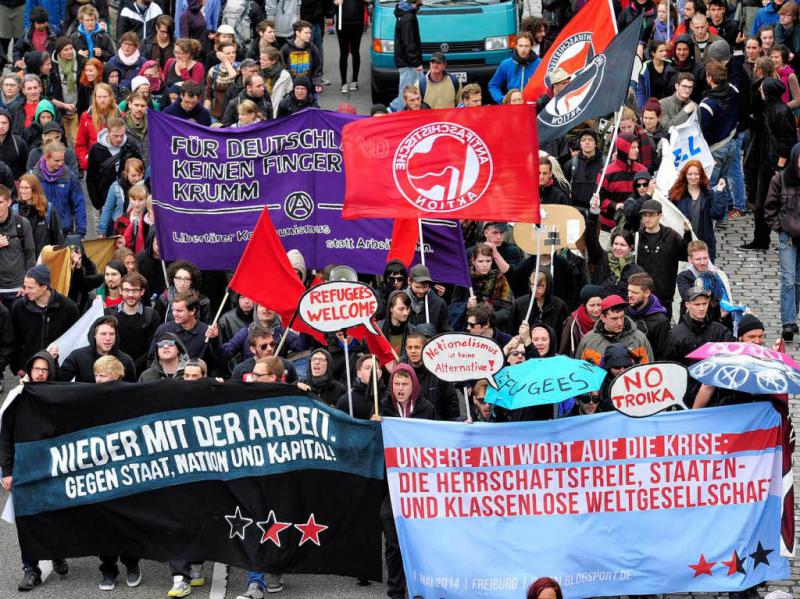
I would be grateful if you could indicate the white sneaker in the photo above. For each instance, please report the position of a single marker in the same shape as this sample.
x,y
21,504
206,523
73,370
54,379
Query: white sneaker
x,y
252,592
354,86
196,578
180,588
274,583
344,88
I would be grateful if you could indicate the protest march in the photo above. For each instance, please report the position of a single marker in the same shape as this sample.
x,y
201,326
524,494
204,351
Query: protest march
x,y
479,343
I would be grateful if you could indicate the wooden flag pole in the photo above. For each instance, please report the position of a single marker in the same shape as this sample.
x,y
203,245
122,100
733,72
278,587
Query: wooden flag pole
x,y
219,312
347,373
375,382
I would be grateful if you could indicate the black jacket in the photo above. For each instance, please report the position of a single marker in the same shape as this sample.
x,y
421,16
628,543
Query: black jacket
x,y
150,268
779,124
658,255
423,409
407,42
105,168
80,363
231,114
35,328
24,44
46,229
363,399
135,333
689,334
440,394
14,151
582,173
553,312
437,309
101,40
652,321
326,388
56,83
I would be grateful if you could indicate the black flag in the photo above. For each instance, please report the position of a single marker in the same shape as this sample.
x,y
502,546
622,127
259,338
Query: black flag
x,y
598,89
254,475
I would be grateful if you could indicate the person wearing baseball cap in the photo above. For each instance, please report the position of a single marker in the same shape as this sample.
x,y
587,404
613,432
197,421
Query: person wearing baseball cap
x,y
695,327
582,170
419,290
660,251
439,89
614,327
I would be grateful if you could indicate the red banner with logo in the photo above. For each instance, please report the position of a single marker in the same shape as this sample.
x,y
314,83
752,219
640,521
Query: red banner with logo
x,y
472,163
586,35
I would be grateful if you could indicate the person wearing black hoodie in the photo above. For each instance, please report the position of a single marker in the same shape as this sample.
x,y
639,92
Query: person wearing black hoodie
x,y
407,48
645,309
395,278
547,308
403,401
363,390
171,359
685,62
632,206
13,150
40,368
660,250
395,325
320,383
137,323
148,262
103,341
582,170
776,138
441,394
782,214
426,305
301,97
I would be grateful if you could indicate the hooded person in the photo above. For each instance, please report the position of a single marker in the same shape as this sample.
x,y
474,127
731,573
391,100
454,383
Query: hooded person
x,y
395,326
120,92
685,61
617,184
45,113
148,263
363,390
103,341
234,320
547,308
395,277
320,382
403,400
632,206
171,359
301,96
421,293
616,359
582,320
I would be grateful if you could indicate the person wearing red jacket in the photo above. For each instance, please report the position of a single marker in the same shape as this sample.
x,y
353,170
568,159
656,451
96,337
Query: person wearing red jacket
x,y
617,184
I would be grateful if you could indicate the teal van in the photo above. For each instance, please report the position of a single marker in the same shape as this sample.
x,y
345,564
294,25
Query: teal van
x,y
475,35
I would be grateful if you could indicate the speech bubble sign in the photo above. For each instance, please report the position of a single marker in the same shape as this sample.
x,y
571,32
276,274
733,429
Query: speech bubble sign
x,y
648,389
338,305
458,357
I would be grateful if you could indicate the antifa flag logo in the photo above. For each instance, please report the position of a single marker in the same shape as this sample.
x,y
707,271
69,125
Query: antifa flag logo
x,y
570,105
572,55
442,167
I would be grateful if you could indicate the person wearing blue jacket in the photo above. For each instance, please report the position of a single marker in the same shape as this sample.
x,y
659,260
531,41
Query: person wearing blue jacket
x,y
766,16
55,13
62,188
515,71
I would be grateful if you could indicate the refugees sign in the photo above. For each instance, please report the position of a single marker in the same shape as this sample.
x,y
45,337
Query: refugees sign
x,y
647,389
545,498
255,475
210,185
459,357
339,305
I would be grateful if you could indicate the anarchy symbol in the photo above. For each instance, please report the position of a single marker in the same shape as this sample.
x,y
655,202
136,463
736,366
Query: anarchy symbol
x,y
731,377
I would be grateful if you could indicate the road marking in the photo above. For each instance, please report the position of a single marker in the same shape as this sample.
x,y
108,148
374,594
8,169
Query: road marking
x,y
219,581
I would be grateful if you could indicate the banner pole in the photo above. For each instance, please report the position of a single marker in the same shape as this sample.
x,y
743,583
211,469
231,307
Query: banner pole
x,y
347,373
219,311
552,254
422,260
286,332
611,151
669,17
536,271
375,381
166,282
466,404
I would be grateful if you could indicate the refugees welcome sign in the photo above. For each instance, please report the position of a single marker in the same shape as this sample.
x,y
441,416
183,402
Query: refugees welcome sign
x,y
210,185
607,505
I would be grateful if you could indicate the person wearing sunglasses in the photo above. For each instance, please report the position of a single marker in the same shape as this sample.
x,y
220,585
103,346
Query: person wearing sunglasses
x,y
262,344
171,359
586,404
320,383
551,181
395,277
631,208
481,411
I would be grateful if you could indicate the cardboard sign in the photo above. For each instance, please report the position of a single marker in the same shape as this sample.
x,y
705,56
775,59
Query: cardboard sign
x,y
564,226
338,305
457,357
648,389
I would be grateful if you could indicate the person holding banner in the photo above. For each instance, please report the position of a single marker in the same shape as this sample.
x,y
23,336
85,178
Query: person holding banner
x,y
395,327
489,285
366,391
547,308
441,394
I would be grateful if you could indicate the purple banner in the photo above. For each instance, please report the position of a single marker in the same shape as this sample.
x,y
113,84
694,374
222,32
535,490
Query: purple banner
x,y
209,186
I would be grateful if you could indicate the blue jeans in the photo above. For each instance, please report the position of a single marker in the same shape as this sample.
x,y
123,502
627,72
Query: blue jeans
x,y
790,278
736,176
256,577
408,76
316,39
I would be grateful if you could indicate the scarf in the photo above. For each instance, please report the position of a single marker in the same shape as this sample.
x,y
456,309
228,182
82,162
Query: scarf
x,y
67,68
660,33
50,176
583,320
87,36
271,75
783,75
617,265
492,286
137,128
128,61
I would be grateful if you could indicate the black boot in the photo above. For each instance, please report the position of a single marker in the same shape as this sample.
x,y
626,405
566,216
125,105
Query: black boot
x,y
29,581
788,332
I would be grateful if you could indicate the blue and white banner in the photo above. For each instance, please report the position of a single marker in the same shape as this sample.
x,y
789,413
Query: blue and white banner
x,y
607,505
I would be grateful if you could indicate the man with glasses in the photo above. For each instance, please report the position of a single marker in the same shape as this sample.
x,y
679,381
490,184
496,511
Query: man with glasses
x,y
171,359
137,323
677,108
482,321
262,344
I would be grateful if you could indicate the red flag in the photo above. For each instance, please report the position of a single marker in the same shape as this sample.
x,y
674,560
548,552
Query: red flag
x,y
586,35
378,345
405,235
450,163
281,290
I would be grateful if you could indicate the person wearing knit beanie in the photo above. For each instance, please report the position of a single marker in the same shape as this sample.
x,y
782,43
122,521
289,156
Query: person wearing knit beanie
x,y
39,273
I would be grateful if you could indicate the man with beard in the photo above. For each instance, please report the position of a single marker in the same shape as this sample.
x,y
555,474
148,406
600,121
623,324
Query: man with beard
x,y
103,341
645,309
516,70
419,290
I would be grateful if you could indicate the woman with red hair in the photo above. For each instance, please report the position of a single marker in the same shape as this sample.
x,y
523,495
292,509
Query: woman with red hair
x,y
545,588
699,203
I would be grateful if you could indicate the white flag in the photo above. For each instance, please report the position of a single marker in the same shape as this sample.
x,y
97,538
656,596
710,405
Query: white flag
x,y
75,337
686,143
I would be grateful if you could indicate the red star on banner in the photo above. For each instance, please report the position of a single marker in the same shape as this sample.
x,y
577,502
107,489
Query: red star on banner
x,y
702,567
272,528
310,531
736,564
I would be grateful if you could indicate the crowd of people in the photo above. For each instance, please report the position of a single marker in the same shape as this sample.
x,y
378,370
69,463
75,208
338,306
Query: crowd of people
x,y
73,103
